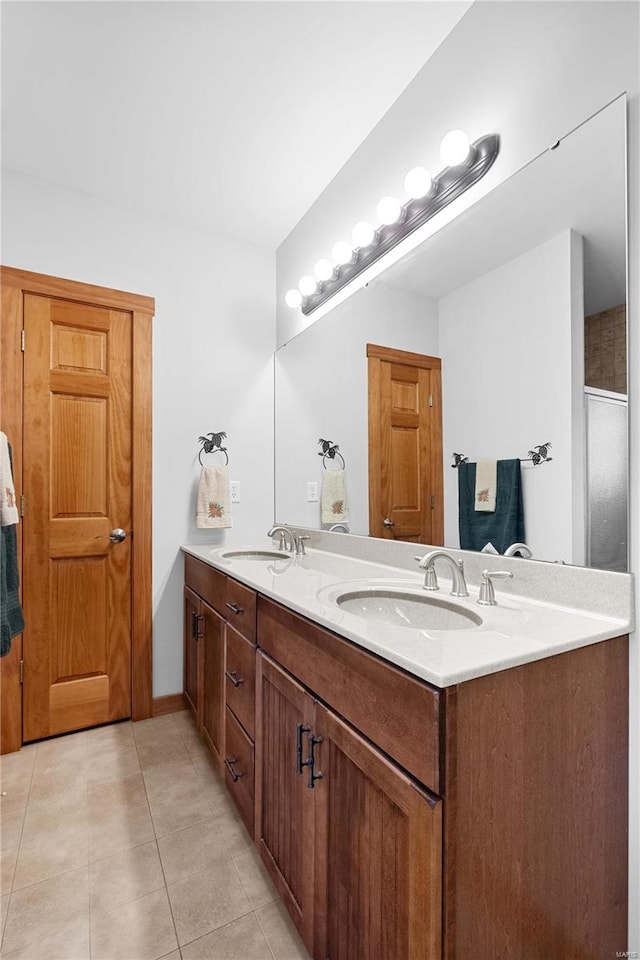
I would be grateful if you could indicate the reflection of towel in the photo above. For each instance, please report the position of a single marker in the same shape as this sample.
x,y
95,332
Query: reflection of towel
x,y
213,508
485,500
506,524
11,620
334,497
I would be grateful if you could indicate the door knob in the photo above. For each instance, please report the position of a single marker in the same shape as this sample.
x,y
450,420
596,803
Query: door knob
x,y
388,523
117,535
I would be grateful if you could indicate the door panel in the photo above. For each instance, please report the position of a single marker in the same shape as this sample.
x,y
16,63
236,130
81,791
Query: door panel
x,y
77,485
378,853
405,446
213,632
193,632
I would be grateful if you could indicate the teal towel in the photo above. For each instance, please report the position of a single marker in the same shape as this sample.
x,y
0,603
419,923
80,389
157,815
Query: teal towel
x,y
503,527
11,619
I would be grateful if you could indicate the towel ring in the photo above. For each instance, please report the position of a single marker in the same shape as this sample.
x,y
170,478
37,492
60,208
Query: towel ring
x,y
331,450
214,445
332,456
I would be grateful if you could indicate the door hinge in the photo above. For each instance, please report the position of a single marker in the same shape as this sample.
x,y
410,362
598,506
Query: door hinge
x,y
22,340
22,671
430,399
22,504
433,503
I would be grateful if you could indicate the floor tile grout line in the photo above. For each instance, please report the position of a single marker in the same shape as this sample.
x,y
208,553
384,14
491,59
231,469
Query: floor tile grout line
x,y
19,844
264,934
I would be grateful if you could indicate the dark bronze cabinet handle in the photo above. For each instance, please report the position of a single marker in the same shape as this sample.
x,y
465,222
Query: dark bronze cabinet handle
x,y
301,728
229,762
234,607
313,776
233,676
195,625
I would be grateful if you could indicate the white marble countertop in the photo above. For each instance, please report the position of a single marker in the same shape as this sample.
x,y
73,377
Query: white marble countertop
x,y
518,630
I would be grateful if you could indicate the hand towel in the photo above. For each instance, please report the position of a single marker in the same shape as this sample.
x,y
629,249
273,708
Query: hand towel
x,y
485,499
213,507
8,503
502,527
11,619
334,497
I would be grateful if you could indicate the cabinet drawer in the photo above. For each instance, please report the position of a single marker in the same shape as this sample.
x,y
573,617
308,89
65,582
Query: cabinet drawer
x,y
240,609
239,769
240,680
396,711
206,582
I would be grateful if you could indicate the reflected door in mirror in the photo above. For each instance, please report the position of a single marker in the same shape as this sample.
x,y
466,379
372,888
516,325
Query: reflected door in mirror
x,y
405,446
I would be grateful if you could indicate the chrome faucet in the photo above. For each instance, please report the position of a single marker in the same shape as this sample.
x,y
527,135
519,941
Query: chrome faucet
x,y
284,533
487,596
342,527
519,548
459,586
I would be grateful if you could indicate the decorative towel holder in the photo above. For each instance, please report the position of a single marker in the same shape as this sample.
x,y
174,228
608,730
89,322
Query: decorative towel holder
x,y
331,450
536,456
214,445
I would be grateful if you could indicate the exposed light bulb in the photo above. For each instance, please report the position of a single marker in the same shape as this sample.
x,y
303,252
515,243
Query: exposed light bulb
x,y
307,286
389,210
323,270
293,298
342,253
417,183
454,148
363,234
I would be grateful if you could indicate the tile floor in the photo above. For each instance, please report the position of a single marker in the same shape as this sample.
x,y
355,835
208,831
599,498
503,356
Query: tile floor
x,y
121,843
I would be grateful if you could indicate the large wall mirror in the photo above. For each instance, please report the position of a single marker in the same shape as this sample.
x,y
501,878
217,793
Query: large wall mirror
x,y
523,300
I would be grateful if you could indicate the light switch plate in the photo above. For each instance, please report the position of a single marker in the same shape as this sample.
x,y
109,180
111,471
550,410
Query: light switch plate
x,y
235,491
312,491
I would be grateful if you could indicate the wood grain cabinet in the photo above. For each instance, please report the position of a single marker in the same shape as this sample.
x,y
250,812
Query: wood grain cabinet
x,y
400,821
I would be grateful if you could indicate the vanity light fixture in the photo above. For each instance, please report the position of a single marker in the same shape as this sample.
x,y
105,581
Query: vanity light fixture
x,y
466,163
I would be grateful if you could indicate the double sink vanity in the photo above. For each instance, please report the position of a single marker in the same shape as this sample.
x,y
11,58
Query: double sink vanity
x,y
424,776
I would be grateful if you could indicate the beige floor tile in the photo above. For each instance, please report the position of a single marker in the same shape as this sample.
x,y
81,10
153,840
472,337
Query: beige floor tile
x,y
192,850
51,816
174,955
68,779
109,796
45,910
280,933
241,939
101,738
15,794
181,809
154,728
205,901
140,929
4,906
162,751
235,833
126,876
11,822
60,751
120,829
72,943
255,879
7,868
171,778
17,766
114,764
53,852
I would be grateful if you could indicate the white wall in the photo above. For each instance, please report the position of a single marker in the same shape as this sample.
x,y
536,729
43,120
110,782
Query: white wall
x,y
519,395
530,71
213,339
321,391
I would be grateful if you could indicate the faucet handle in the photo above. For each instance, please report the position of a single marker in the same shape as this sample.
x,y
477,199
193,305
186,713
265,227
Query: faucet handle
x,y
430,578
487,595
300,550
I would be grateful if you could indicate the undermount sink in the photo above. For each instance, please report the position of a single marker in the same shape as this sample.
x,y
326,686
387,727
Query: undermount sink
x,y
402,608
255,555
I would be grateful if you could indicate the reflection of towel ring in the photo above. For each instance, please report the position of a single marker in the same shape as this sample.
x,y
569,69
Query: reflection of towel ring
x,y
213,446
334,453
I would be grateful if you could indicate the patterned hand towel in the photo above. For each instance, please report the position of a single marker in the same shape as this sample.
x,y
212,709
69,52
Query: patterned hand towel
x,y
486,471
11,619
8,505
213,507
334,497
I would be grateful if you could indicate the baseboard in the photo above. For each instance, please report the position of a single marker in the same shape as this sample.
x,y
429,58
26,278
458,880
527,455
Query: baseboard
x,y
170,704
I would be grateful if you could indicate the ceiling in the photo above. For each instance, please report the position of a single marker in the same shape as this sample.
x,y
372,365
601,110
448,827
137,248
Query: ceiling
x,y
232,116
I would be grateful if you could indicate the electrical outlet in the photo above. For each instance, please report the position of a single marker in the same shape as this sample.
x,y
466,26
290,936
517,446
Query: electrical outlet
x,y
312,491
235,491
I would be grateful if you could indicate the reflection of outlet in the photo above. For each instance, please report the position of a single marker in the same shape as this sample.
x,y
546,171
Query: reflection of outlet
x,y
235,491
312,491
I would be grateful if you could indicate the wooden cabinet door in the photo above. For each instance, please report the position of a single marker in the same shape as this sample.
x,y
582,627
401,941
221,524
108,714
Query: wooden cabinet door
x,y
284,802
378,853
192,633
213,630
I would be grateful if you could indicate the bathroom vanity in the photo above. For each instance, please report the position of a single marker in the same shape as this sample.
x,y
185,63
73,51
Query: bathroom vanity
x,y
417,793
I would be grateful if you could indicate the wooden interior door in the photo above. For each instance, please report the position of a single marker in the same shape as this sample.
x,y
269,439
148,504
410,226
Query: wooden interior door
x,y
284,803
405,446
378,839
77,488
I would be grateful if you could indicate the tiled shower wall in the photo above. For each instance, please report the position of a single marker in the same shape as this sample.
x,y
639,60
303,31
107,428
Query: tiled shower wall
x,y
605,348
